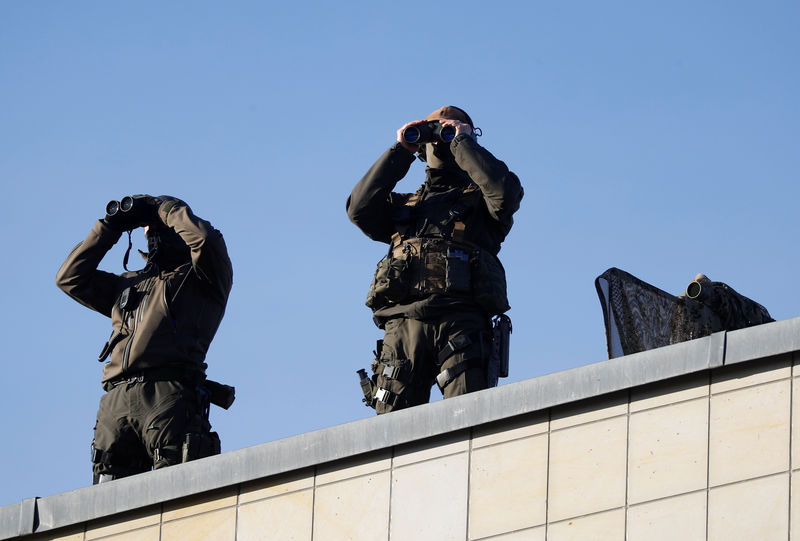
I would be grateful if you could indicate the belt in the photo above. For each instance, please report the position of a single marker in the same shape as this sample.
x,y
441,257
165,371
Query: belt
x,y
151,374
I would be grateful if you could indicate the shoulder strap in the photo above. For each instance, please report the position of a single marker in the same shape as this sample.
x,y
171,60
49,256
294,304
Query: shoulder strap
x,y
414,198
463,208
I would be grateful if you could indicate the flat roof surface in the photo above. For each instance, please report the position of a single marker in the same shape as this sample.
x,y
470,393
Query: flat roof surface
x,y
35,515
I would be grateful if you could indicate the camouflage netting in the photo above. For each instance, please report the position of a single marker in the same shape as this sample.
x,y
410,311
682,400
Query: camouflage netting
x,y
639,316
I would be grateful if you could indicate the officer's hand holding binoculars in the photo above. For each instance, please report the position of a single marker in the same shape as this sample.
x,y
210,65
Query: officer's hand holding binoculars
x,y
419,132
132,211
460,127
401,135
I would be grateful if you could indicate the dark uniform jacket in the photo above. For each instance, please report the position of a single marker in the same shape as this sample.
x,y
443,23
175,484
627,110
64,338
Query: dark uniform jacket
x,y
170,316
482,193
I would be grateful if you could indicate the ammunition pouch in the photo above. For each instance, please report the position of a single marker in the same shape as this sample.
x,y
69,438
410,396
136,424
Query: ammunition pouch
x,y
389,284
489,283
418,267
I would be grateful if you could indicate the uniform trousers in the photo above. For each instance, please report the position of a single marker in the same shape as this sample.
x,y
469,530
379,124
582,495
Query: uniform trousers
x,y
142,425
412,351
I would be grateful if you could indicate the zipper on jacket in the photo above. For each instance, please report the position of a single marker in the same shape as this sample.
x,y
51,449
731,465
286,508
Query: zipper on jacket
x,y
167,303
167,308
138,315
143,304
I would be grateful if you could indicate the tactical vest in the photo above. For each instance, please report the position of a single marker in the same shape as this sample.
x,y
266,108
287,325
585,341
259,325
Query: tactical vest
x,y
448,264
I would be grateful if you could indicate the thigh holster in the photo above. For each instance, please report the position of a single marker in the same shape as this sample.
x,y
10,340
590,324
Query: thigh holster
x,y
104,465
456,346
389,371
394,370
98,456
200,445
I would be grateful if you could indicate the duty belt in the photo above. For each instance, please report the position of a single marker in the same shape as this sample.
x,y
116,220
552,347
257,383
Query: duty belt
x,y
150,374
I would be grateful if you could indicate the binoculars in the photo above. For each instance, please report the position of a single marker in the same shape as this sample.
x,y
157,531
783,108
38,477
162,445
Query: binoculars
x,y
131,211
428,132
123,205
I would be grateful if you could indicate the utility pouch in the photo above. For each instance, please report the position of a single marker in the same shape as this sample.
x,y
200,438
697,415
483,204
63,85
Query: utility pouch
x,y
220,394
489,283
129,299
501,342
197,445
389,284
457,271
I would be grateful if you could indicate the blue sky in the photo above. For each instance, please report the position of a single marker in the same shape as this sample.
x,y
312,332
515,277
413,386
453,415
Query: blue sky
x,y
660,138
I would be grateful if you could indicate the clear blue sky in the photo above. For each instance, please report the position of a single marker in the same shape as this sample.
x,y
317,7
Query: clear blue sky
x,y
662,138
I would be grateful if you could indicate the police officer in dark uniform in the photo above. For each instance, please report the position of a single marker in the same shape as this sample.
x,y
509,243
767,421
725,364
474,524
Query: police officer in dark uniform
x,y
155,411
439,285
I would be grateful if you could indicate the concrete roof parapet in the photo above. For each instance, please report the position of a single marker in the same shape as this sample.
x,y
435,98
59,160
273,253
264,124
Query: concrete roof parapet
x,y
404,426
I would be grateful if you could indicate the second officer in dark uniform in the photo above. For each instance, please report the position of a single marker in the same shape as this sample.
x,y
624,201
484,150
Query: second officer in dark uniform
x,y
439,285
155,411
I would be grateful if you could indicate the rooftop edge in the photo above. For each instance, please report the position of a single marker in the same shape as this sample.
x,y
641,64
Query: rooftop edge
x,y
34,515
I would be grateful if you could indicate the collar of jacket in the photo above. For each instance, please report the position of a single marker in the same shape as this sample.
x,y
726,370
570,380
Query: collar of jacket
x,y
445,179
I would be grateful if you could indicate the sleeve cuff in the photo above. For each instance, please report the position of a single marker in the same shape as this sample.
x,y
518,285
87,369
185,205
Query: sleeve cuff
x,y
166,207
399,152
106,233
459,139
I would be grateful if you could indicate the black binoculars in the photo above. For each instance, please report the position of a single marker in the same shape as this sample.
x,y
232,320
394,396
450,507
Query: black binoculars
x,y
132,205
428,132
123,205
131,211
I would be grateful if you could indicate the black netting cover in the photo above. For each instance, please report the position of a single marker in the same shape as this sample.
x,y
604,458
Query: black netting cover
x,y
639,316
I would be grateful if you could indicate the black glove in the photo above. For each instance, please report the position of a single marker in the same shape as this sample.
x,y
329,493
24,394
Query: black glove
x,y
165,203
131,212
